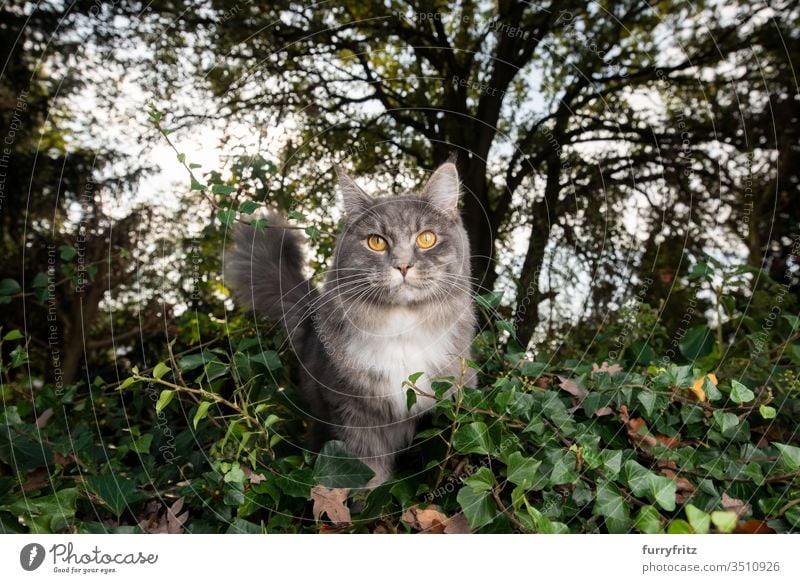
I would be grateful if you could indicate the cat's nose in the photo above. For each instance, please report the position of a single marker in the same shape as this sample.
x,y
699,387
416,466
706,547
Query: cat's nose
x,y
403,268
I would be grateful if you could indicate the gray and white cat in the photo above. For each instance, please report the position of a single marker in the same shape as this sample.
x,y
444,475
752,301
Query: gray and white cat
x,y
396,301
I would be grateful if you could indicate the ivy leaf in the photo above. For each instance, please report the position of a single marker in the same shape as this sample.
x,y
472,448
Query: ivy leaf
x,y
740,393
116,492
522,470
473,438
481,481
767,412
336,467
789,455
648,520
697,342
610,504
479,507
725,421
724,521
700,521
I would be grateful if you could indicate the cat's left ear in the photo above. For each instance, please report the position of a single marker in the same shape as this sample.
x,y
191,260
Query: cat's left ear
x,y
443,189
354,198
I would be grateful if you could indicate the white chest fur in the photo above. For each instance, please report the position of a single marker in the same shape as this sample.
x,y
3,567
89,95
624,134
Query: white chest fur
x,y
402,345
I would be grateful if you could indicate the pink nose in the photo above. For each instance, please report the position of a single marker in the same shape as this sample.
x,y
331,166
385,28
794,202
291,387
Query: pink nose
x,y
403,267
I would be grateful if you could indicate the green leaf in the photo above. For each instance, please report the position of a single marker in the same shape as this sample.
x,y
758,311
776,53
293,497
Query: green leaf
x,y
223,189
533,369
312,232
13,335
740,393
724,521
725,421
142,445
564,470
679,526
522,470
116,492
164,399
711,390
202,412
67,252
226,217
411,398
767,412
248,207
610,504
648,520
644,482
9,287
160,370
126,383
194,185
700,521
414,377
489,301
697,342
296,216
268,358
338,468
479,507
481,481
192,361
473,438
789,455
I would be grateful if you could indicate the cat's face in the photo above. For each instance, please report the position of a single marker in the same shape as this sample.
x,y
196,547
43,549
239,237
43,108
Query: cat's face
x,y
402,250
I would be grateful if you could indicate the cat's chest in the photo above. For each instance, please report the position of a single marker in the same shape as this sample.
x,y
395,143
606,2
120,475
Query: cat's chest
x,y
401,346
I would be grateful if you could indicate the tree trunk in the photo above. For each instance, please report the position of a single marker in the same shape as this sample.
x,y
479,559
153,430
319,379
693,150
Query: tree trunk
x,y
526,316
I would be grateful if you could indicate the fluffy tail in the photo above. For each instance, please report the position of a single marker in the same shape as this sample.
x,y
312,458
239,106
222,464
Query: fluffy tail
x,y
265,271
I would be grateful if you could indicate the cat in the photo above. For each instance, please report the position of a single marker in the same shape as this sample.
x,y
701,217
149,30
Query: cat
x,y
396,301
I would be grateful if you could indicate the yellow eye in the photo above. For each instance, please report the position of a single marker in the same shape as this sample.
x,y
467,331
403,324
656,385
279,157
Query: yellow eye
x,y
376,243
426,239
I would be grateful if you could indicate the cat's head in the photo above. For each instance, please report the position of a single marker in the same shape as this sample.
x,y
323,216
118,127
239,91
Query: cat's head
x,y
403,250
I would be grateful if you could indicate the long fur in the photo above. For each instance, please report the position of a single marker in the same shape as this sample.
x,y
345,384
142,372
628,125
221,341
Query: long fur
x,y
264,269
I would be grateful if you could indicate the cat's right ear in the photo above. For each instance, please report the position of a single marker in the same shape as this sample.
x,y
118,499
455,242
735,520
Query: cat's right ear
x,y
354,198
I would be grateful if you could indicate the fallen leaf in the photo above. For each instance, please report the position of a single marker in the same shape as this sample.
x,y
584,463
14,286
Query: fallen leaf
x,y
603,411
457,524
670,442
42,420
431,520
36,480
610,370
681,484
572,388
754,526
637,428
170,522
331,501
252,477
740,507
428,520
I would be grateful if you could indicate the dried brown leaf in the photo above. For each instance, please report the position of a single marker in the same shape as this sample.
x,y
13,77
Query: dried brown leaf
x,y
572,388
42,420
610,370
331,501
740,507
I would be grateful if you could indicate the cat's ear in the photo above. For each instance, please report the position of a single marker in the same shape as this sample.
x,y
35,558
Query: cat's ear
x,y
354,198
443,189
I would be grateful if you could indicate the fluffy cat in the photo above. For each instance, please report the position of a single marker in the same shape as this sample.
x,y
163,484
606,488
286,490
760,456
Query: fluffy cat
x,y
396,301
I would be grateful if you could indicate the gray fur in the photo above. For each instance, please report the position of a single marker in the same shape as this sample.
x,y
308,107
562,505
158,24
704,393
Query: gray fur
x,y
369,327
